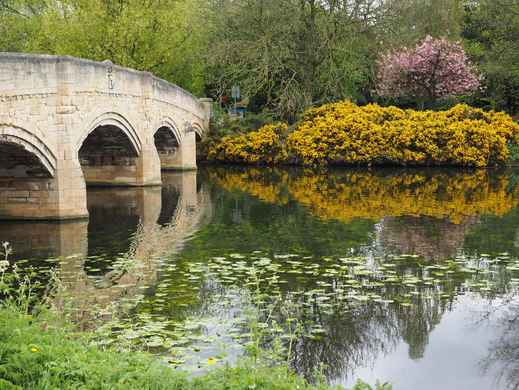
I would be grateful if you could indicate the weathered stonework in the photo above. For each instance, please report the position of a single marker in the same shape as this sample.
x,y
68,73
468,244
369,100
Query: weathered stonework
x,y
52,109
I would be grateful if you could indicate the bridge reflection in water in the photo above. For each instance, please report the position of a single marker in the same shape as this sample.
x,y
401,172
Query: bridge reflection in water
x,y
131,223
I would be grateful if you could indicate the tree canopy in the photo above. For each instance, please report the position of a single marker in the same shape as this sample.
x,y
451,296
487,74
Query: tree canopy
x,y
285,54
160,36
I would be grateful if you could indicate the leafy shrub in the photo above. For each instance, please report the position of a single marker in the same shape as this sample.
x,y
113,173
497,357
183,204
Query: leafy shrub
x,y
343,133
262,146
224,124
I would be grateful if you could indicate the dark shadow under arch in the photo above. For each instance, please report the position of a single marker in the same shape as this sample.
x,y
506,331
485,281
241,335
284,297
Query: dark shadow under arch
x,y
17,162
27,169
22,145
107,145
109,158
114,120
166,141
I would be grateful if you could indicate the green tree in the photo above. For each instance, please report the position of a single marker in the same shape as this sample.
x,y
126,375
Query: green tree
x,y
161,36
289,54
19,21
408,21
491,32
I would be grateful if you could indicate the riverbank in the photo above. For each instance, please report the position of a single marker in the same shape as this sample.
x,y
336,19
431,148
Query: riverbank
x,y
343,133
44,352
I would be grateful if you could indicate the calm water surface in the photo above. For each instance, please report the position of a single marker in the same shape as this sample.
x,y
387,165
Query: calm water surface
x,y
454,326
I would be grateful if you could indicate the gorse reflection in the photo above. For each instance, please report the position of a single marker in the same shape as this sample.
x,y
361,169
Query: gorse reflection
x,y
436,214
346,195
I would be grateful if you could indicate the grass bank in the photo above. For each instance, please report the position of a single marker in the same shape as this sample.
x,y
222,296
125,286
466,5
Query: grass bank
x,y
41,351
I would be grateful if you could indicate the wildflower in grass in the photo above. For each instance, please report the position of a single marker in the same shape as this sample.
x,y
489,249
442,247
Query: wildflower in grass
x,y
4,265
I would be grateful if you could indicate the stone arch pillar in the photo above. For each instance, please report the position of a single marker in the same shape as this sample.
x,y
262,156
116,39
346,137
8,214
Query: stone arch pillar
x,y
148,165
37,183
188,149
71,189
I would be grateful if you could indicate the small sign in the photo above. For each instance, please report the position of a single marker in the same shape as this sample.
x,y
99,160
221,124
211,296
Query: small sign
x,y
235,92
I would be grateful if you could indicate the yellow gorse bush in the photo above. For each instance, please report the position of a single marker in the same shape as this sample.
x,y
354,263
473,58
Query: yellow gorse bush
x,y
344,133
262,146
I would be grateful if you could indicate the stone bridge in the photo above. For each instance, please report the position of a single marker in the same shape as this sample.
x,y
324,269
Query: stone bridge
x,y
66,123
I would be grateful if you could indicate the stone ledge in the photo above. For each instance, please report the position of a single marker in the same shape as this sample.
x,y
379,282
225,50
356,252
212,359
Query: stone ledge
x,y
46,218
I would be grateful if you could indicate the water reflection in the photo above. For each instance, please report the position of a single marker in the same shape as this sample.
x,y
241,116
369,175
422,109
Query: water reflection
x,y
374,194
116,213
503,353
130,207
43,240
434,215
359,337
431,238
452,223
138,224
424,212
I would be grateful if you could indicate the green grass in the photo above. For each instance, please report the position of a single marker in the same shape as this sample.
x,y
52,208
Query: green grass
x,y
41,352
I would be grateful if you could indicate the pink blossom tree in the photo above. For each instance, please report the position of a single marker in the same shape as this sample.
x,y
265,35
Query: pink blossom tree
x,y
436,68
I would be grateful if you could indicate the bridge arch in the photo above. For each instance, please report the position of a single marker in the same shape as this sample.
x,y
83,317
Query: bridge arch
x,y
112,152
115,120
29,175
169,142
199,132
171,126
24,141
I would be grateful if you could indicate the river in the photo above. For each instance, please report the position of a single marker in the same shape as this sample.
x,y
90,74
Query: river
x,y
408,276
